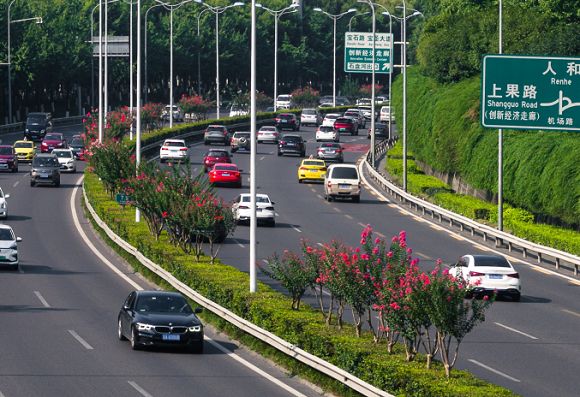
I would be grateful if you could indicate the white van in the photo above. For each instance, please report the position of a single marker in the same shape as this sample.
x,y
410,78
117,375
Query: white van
x,y
239,110
342,180
285,102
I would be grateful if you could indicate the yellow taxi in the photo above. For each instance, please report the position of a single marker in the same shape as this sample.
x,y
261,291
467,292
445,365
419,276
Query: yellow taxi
x,y
25,150
312,169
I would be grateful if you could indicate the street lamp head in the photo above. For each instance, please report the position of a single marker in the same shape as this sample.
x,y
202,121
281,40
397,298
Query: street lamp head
x,y
352,10
238,3
38,20
258,5
416,13
317,9
386,13
294,5
199,1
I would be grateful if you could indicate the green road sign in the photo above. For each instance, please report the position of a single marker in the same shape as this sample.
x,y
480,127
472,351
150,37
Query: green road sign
x,y
121,198
358,52
530,92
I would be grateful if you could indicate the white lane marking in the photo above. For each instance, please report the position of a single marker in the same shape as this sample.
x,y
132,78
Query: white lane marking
x,y
21,272
44,302
275,213
262,158
2,395
17,182
494,370
88,242
255,369
238,243
139,389
81,340
515,330
322,245
295,228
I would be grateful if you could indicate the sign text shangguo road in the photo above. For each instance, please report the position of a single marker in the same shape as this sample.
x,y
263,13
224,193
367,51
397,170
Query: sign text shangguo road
x,y
530,92
358,52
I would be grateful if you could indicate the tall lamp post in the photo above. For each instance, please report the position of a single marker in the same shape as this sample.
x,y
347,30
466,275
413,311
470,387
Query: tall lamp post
x,y
145,39
217,10
38,21
277,14
334,18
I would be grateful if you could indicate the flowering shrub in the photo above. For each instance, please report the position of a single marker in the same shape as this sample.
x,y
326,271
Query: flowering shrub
x,y
151,114
367,90
305,97
111,161
117,124
195,105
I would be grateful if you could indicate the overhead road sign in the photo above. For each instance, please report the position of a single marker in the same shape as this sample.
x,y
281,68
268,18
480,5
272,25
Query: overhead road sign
x,y
358,52
117,46
530,92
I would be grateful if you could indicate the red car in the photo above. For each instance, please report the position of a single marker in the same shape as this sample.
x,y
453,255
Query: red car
x,y
346,124
51,141
226,173
8,158
215,156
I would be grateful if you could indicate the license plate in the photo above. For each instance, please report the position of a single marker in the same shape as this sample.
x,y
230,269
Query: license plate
x,y
329,152
79,153
343,129
3,165
171,337
225,174
313,170
62,166
344,186
51,147
34,137
284,121
291,144
2,257
495,276
21,157
242,148
44,176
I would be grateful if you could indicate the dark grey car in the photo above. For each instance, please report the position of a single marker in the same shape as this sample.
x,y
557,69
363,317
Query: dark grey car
x,y
330,151
381,131
45,169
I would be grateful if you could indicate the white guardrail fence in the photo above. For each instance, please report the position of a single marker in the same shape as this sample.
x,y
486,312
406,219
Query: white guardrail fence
x,y
455,219
317,363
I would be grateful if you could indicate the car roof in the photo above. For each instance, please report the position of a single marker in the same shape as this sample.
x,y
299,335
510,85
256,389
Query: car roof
x,y
61,150
333,144
175,140
4,226
216,125
159,293
257,195
44,154
343,165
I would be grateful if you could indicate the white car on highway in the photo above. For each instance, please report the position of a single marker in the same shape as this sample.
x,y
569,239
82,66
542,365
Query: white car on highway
x,y
327,133
489,273
66,159
173,149
242,209
3,205
8,247
384,114
330,118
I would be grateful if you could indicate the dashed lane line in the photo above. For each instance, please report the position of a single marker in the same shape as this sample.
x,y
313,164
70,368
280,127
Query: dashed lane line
x,y
435,227
457,237
42,300
81,340
139,389
539,269
336,209
349,217
238,243
569,312
516,331
479,247
296,228
418,219
494,371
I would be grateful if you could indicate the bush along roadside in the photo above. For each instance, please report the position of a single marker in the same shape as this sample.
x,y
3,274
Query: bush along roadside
x,y
518,222
387,366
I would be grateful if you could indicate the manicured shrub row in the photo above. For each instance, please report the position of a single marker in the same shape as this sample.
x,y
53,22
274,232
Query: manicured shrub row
x,y
271,311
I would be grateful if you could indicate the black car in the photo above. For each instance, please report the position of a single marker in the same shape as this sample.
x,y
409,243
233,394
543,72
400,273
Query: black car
x,y
160,318
216,134
292,144
330,151
381,131
78,147
288,120
45,169
37,126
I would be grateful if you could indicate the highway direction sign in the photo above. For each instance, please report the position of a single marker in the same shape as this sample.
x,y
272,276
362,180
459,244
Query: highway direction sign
x,y
530,92
358,52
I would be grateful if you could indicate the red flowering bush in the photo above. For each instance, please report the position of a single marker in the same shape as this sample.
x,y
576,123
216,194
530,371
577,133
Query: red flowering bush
x,y
195,105
151,114
366,91
306,97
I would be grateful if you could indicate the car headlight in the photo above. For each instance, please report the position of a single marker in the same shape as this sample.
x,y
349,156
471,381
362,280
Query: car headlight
x,y
26,130
42,131
144,327
14,246
69,162
195,328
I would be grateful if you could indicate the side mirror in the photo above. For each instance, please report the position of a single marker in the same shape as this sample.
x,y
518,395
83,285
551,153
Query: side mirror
x,y
18,239
240,170
198,310
452,265
305,140
126,308
272,202
6,196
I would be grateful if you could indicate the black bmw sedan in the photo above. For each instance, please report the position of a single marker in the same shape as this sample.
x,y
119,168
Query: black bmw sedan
x,y
160,318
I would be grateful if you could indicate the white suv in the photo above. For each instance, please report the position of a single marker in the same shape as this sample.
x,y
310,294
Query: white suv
x,y
173,149
342,180
285,102
384,115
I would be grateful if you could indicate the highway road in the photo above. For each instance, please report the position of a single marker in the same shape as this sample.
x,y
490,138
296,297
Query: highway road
x,y
65,297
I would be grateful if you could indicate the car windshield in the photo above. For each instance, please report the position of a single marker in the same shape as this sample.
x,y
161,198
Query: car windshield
x,y
314,162
77,142
176,144
268,129
225,168
45,162
5,150
326,129
332,116
63,153
351,114
35,121
283,98
53,137
259,199
309,111
218,154
343,120
330,145
491,261
344,173
23,145
6,235
291,139
161,304
245,135
215,128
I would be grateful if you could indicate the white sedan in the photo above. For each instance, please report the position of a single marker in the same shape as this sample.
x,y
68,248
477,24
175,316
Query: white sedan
x,y
327,133
66,159
242,209
330,118
173,149
489,273
3,205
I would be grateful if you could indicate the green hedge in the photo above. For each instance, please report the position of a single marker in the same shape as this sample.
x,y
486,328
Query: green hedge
x,y
305,328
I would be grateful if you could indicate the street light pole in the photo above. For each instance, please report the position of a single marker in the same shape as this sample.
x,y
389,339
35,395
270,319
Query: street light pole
x,y
145,39
335,18
277,14
138,143
100,70
386,12
217,10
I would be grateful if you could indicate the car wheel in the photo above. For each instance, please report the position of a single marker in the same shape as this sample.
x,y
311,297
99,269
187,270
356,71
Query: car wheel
x,y
261,141
233,150
272,224
205,143
239,186
74,170
134,344
279,153
57,183
120,331
298,129
356,199
352,133
516,297
32,183
299,180
328,198
198,349
162,160
469,295
14,267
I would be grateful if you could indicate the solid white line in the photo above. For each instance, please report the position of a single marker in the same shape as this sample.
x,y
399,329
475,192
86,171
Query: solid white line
x,y
17,182
2,395
90,245
81,340
238,243
255,369
140,389
44,302
262,158
515,330
494,370
295,228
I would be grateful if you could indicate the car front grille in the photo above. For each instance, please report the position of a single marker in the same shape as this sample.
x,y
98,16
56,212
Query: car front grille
x,y
162,329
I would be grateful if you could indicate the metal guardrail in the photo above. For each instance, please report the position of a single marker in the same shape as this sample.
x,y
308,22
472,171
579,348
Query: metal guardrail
x,y
246,326
455,219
